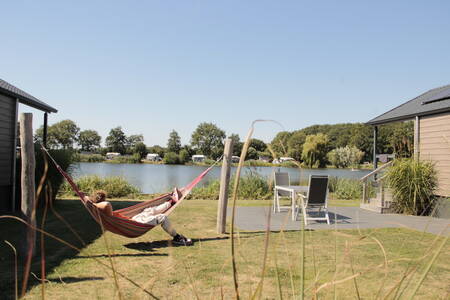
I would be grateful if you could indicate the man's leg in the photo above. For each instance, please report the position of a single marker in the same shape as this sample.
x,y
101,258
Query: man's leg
x,y
166,225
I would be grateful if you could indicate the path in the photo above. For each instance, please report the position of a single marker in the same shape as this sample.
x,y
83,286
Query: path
x,y
255,218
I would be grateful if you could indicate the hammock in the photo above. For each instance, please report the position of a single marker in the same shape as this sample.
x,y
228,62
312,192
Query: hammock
x,y
120,222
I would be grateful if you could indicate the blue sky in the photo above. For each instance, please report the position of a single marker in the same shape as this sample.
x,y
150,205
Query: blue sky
x,y
154,66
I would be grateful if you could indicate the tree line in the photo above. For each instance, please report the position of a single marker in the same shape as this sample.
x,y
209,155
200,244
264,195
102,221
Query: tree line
x,y
315,146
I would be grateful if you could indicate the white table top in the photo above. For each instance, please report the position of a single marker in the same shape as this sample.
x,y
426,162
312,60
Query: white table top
x,y
293,188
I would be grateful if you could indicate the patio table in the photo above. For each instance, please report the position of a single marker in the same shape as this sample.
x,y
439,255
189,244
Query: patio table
x,y
293,190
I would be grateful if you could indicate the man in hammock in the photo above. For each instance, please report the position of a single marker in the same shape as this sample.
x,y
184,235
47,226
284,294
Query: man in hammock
x,y
151,215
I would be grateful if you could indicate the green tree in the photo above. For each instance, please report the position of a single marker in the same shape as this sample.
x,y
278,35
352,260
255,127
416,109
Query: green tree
x,y
237,144
116,141
315,149
207,139
52,143
295,145
280,143
252,153
157,149
62,134
141,149
131,142
89,140
258,145
174,142
402,138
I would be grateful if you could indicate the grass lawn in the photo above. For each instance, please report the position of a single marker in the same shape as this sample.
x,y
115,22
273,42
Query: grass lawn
x,y
204,270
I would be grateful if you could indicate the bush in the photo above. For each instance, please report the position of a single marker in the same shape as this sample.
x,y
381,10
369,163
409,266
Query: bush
x,y
63,157
413,184
171,158
126,159
347,188
345,157
89,158
115,187
184,156
251,186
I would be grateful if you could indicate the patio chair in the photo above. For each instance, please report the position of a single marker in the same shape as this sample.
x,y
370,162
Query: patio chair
x,y
280,178
315,199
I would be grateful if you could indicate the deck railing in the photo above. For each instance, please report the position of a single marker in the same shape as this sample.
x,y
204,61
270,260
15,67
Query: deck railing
x,y
380,181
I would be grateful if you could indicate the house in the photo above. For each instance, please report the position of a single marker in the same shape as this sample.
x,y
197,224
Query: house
x,y
111,155
431,114
10,97
284,159
198,158
264,158
153,157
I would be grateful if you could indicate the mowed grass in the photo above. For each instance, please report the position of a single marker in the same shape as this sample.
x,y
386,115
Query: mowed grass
x,y
203,271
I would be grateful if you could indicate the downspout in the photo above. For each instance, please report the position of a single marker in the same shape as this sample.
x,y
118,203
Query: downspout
x,y
375,138
14,159
44,137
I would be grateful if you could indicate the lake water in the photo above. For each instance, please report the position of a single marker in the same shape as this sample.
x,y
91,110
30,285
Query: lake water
x,y
161,178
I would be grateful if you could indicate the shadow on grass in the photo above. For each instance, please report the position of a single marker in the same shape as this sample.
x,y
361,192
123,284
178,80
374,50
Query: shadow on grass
x,y
150,246
13,231
71,279
122,255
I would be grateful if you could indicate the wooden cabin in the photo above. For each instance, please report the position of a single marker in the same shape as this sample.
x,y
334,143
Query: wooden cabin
x,y
431,114
10,97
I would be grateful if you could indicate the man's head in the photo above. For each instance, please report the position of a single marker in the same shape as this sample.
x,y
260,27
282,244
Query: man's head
x,y
98,196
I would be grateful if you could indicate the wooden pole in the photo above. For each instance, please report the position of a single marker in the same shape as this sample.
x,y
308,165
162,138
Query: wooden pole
x,y
28,201
224,183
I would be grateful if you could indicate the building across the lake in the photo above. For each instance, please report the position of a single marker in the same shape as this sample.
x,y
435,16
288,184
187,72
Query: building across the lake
x,y
431,114
10,97
198,158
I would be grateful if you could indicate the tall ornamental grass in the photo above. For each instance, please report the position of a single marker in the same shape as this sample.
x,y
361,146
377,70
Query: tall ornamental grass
x,y
413,183
115,187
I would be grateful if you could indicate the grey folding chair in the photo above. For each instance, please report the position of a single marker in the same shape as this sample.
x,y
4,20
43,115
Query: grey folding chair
x,y
316,199
280,179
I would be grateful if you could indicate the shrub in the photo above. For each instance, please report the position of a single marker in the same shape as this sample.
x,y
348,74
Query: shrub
x,y
345,157
347,188
184,156
251,186
171,158
126,159
63,157
413,184
89,158
115,187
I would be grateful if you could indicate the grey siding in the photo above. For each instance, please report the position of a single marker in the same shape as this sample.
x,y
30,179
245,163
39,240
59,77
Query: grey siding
x,y
7,139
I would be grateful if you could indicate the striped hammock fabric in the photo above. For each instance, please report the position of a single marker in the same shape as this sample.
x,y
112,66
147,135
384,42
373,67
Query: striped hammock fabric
x,y
120,222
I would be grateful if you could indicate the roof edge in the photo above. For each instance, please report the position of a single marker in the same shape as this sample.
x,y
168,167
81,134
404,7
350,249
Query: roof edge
x,y
408,117
29,102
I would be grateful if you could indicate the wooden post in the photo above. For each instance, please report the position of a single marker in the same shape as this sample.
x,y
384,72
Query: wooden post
x,y
364,196
224,183
28,201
